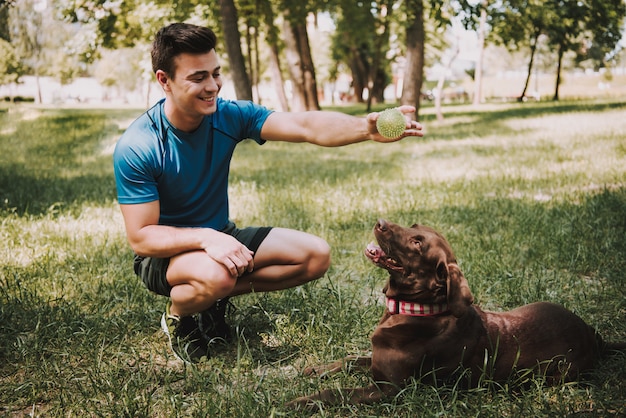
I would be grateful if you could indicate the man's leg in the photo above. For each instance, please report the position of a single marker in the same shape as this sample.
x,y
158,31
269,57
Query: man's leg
x,y
286,258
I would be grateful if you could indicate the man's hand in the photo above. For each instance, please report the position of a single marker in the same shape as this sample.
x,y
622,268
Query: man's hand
x,y
229,252
413,128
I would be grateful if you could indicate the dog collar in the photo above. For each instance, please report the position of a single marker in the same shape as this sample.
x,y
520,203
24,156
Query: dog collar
x,y
399,307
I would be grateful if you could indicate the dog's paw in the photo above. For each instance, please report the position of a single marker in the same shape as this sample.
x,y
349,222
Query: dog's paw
x,y
303,403
323,370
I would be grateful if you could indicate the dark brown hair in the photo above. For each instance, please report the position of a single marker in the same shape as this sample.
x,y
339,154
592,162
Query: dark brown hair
x,y
179,38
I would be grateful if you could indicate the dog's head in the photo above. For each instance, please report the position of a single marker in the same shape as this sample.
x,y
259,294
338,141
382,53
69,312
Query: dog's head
x,y
421,265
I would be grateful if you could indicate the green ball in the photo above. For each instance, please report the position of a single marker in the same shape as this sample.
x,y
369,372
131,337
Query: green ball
x,y
391,123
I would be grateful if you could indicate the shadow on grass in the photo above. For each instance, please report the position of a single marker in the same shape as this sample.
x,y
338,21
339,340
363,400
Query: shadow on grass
x,y
30,193
57,160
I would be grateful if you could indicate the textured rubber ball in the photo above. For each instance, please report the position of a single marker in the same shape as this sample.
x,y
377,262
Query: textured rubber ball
x,y
391,123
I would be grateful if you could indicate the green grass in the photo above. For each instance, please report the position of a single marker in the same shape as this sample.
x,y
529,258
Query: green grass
x,y
532,198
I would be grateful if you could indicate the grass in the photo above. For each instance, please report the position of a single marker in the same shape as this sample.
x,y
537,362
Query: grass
x,y
532,198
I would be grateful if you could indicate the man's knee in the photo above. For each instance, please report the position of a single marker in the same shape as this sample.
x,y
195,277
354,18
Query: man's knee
x,y
320,259
209,279
217,286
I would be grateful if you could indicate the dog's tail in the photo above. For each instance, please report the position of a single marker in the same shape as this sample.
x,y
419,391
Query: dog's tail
x,y
610,347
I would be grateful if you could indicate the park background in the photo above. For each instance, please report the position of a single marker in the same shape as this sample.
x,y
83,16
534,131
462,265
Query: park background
x,y
293,55
528,186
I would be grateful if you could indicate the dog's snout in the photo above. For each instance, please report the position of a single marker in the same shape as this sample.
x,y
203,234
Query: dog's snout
x,y
381,225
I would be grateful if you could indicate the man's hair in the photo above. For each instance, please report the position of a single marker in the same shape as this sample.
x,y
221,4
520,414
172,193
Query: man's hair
x,y
179,38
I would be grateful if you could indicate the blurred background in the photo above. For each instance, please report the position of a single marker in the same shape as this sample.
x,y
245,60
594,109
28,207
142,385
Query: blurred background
x,y
304,54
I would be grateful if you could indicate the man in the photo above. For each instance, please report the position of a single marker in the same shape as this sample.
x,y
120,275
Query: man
x,y
171,169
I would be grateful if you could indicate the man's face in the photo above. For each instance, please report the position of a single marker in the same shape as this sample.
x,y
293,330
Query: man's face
x,y
194,88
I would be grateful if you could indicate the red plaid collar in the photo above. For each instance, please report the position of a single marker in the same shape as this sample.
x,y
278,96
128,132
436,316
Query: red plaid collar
x,y
400,307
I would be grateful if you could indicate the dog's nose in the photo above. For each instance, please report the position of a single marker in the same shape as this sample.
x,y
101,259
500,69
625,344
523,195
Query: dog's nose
x,y
381,225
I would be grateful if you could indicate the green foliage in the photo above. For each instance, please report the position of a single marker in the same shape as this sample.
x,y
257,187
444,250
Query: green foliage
x,y
4,17
532,199
129,23
9,64
573,24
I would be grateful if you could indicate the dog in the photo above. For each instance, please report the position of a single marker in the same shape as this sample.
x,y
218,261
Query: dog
x,y
432,331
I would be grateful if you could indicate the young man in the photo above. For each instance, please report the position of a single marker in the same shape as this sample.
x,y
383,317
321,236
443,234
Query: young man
x,y
171,169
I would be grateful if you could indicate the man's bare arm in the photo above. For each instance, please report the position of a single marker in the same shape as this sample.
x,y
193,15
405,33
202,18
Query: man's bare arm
x,y
331,129
149,239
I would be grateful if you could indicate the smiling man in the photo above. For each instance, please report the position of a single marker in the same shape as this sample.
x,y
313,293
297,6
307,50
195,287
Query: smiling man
x,y
171,170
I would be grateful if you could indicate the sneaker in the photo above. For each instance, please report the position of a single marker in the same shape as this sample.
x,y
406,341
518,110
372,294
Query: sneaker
x,y
212,322
185,338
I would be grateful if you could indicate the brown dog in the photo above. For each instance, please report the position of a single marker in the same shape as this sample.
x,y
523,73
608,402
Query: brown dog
x,y
431,329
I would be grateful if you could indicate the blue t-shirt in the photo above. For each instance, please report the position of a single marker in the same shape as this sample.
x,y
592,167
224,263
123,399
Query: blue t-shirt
x,y
186,172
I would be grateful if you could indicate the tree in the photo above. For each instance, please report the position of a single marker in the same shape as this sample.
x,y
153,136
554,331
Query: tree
x,y
564,31
482,33
232,39
476,15
28,37
577,24
298,53
4,19
10,68
521,23
605,23
272,36
568,25
107,25
376,78
353,42
118,71
414,67
442,79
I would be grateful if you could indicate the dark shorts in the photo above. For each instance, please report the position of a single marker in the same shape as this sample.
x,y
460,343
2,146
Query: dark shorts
x,y
153,270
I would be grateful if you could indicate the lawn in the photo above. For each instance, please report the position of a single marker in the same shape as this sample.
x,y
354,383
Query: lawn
x,y
532,197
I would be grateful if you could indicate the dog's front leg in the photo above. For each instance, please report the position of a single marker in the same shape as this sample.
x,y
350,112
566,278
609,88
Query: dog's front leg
x,y
368,395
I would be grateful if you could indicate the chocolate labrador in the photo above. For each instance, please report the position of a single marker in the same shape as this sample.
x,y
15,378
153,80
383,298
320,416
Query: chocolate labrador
x,y
432,331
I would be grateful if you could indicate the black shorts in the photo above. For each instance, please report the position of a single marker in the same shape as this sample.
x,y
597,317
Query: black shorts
x,y
153,270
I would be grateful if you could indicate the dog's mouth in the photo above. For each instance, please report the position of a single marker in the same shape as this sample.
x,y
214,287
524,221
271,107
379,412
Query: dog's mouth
x,y
381,259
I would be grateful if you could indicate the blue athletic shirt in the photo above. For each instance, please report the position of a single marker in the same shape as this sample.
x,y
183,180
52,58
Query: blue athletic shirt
x,y
186,172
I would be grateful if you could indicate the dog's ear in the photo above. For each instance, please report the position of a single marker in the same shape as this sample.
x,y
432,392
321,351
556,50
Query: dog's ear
x,y
459,295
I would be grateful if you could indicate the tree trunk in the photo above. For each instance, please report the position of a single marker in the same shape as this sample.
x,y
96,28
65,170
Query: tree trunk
x,y
232,40
300,67
249,57
148,92
298,95
308,68
478,74
377,93
374,83
533,49
358,68
277,78
442,80
39,95
274,63
558,72
414,70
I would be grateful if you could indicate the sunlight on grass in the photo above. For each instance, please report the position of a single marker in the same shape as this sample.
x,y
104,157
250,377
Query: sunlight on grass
x,y
58,237
548,156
